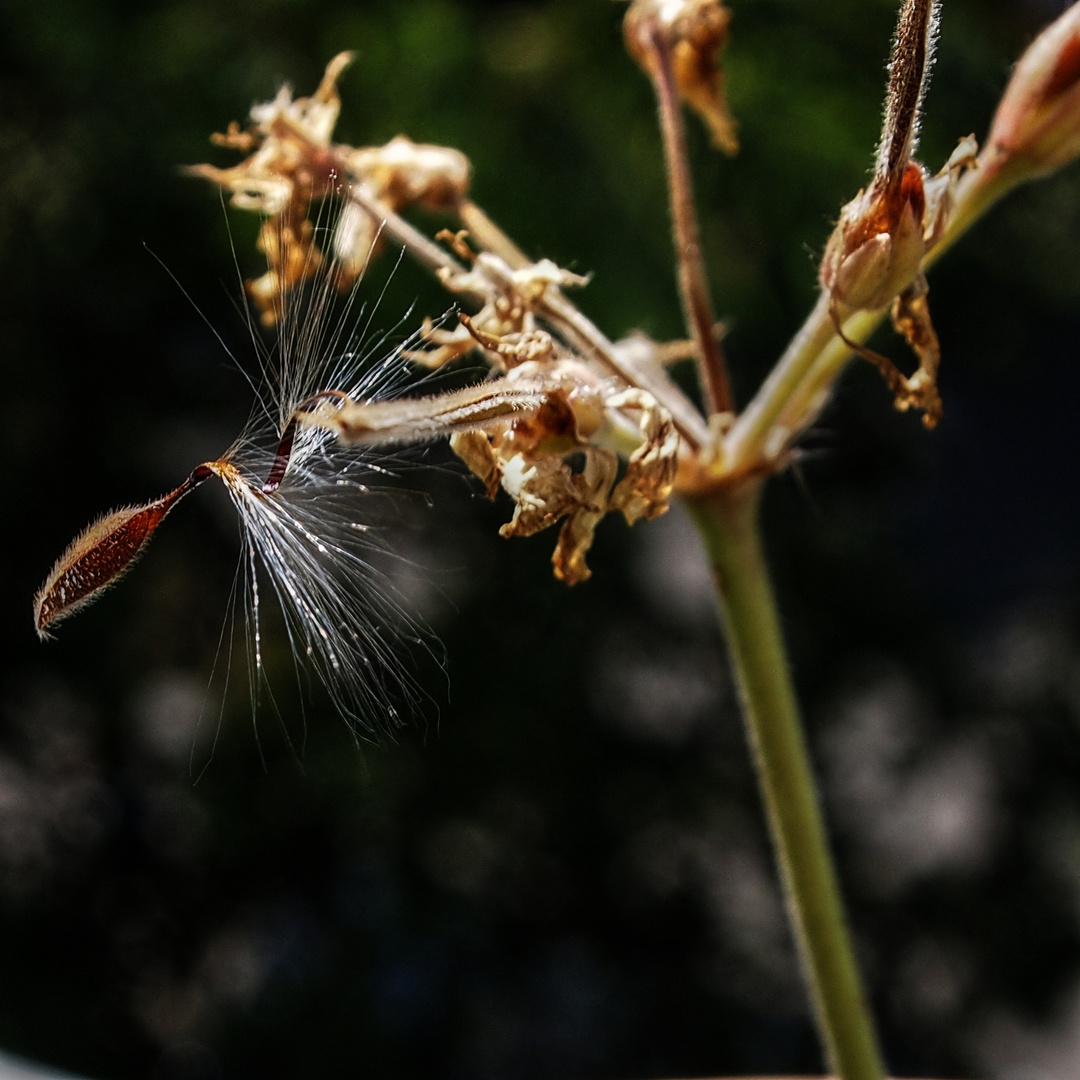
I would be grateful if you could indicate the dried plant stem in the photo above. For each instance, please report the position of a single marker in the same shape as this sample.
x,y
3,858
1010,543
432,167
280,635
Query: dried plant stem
x,y
553,307
396,228
582,332
490,237
693,281
729,527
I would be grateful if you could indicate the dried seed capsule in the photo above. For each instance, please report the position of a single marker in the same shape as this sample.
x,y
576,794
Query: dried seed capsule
x,y
101,554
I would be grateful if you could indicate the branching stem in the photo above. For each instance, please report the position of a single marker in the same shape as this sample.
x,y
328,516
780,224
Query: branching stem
x,y
585,334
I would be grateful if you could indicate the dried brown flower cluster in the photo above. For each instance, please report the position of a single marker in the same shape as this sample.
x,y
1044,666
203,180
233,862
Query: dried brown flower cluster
x,y
550,425
571,425
292,164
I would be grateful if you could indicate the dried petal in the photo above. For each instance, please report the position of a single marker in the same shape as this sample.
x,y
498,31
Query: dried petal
x,y
576,535
645,488
911,318
403,173
474,448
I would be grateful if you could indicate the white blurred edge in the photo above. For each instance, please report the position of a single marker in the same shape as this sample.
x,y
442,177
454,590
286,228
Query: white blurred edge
x,y
15,1068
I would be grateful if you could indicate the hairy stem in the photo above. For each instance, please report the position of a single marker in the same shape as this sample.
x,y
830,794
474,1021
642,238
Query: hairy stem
x,y
693,281
417,420
729,527
909,67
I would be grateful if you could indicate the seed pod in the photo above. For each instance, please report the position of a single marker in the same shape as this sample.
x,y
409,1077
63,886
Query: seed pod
x,y
101,554
1037,126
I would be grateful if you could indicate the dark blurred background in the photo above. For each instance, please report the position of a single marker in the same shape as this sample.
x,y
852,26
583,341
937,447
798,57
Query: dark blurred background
x,y
560,869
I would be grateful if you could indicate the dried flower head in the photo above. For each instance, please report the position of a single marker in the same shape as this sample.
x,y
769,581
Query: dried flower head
x,y
292,165
689,35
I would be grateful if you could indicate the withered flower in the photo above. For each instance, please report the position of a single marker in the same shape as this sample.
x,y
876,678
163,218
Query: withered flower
x,y
506,325
522,431
694,33
292,165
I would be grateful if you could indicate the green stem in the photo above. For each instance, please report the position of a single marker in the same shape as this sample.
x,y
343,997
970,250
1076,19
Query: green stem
x,y
729,526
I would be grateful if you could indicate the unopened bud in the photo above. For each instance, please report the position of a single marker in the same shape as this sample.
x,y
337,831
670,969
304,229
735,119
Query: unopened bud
x,y
1037,126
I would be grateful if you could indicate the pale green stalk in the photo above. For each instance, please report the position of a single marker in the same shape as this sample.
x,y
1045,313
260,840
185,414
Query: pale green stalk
x,y
729,527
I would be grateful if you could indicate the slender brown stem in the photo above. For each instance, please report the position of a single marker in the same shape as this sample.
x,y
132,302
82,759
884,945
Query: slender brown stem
x,y
693,281
397,228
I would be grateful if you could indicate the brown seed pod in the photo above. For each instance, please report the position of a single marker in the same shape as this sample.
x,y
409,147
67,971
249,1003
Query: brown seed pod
x,y
101,555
